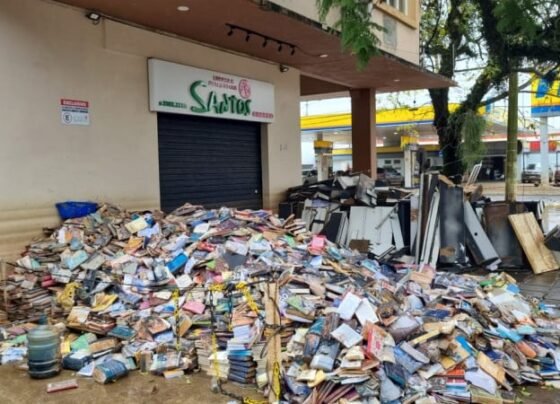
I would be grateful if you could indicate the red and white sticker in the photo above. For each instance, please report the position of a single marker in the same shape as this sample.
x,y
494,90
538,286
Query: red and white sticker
x,y
74,112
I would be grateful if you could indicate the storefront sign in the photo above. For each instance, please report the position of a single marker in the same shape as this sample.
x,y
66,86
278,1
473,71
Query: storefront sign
x,y
74,112
535,147
187,90
545,97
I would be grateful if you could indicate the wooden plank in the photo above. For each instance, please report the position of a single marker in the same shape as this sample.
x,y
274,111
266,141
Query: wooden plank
x,y
274,353
413,223
446,180
4,279
531,239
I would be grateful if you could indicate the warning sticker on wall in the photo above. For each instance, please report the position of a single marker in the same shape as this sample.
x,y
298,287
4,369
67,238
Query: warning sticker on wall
x,y
74,112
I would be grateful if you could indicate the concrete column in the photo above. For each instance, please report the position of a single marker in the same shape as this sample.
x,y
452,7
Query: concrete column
x,y
364,155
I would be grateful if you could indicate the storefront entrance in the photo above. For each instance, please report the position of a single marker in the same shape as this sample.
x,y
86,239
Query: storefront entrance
x,y
209,161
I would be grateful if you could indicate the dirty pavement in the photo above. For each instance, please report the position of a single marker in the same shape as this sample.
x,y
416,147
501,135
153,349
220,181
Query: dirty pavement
x,y
352,294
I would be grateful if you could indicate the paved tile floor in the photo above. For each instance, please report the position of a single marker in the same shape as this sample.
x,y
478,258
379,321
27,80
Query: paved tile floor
x,y
543,286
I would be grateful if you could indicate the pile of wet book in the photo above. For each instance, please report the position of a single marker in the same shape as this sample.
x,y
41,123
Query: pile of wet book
x,y
250,298
22,294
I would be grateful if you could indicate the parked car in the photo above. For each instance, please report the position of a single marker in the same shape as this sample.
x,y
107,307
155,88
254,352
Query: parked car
x,y
557,176
309,177
389,176
532,174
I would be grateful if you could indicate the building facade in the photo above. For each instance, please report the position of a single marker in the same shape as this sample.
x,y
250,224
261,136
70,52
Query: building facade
x,y
81,117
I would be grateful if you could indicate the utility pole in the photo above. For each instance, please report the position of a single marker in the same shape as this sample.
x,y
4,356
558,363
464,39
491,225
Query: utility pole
x,y
511,148
544,150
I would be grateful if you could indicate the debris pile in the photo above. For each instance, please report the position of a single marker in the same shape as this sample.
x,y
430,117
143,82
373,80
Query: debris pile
x,y
442,224
251,298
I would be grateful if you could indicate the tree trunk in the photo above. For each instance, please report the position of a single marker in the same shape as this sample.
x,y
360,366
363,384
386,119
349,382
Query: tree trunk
x,y
450,144
449,133
511,148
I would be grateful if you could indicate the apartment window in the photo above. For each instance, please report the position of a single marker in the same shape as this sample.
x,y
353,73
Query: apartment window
x,y
400,5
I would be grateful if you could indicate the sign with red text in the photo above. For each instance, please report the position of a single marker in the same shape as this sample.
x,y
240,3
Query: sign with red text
x,y
188,90
74,112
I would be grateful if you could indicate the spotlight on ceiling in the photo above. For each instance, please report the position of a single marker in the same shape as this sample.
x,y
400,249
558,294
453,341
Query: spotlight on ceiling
x,y
183,8
283,68
94,17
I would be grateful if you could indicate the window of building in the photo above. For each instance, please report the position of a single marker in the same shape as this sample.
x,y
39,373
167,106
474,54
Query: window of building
x,y
388,162
400,5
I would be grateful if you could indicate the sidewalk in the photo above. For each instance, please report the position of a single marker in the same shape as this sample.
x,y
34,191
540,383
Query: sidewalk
x,y
544,286
524,191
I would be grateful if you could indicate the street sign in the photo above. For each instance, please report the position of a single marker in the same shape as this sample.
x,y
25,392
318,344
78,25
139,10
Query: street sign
x,y
545,97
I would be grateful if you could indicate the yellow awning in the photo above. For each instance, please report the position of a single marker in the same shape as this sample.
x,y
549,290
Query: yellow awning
x,y
383,117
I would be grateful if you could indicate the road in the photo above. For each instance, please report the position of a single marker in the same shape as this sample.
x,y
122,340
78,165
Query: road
x,y
525,192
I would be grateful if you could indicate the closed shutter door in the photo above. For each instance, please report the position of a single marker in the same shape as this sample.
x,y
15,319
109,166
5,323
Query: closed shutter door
x,y
213,162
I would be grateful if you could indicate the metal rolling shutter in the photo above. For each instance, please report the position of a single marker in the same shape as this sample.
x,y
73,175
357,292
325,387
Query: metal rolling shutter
x,y
214,162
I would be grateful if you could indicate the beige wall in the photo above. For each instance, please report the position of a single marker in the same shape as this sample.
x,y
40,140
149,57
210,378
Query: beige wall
x,y
307,8
51,52
408,32
407,28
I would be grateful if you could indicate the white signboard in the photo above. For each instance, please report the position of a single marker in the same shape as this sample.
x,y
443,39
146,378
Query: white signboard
x,y
74,112
187,90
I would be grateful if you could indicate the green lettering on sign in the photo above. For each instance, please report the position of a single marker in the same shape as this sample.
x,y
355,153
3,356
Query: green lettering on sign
x,y
201,108
227,103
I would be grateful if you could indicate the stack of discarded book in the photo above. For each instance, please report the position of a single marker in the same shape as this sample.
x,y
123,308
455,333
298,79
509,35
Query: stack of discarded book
x,y
22,296
248,297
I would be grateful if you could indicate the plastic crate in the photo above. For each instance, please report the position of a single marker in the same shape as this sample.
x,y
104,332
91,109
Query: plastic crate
x,y
71,209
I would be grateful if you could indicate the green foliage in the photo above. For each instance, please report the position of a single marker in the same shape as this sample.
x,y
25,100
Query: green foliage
x,y
513,20
357,30
473,127
496,37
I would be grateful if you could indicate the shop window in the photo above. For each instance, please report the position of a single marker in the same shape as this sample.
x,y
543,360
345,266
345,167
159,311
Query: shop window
x,y
400,5
387,162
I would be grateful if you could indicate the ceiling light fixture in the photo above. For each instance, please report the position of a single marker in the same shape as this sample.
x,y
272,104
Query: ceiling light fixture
x,y
94,17
267,39
283,68
183,8
396,80
323,55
